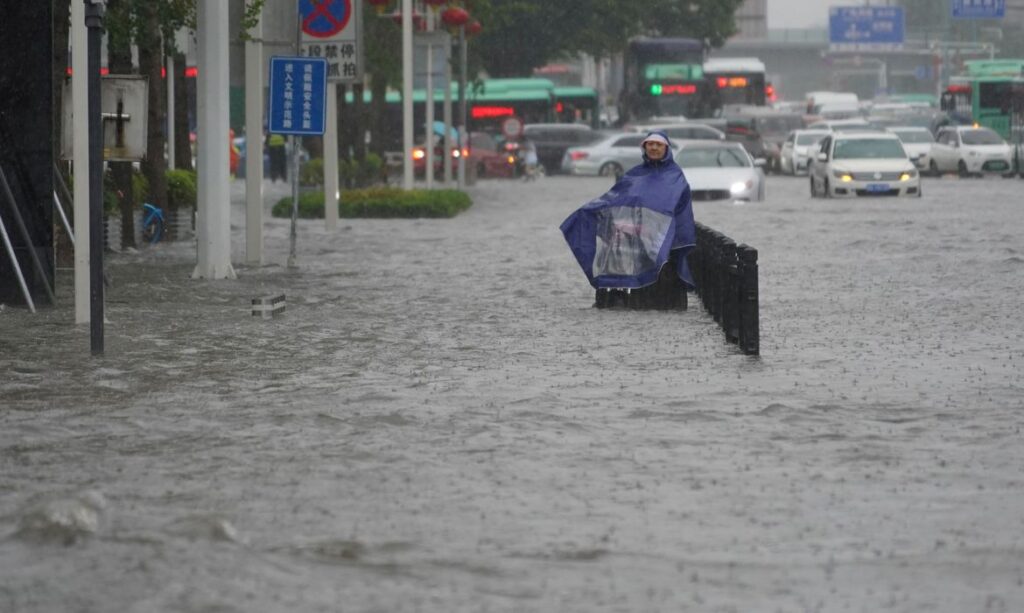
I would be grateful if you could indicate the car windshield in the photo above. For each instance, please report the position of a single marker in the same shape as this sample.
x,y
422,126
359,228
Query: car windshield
x,y
697,157
914,136
868,148
981,137
808,139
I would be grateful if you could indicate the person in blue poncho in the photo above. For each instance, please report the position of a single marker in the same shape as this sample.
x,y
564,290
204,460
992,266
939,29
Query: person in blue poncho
x,y
632,241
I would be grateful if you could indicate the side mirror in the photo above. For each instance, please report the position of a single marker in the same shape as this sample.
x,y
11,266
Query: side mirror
x,y
822,157
917,157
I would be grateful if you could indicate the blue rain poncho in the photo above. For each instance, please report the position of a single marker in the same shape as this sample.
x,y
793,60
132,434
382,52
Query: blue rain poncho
x,y
623,238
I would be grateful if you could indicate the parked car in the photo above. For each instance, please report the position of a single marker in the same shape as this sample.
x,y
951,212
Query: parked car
x,y
918,144
483,153
609,157
552,139
720,171
970,151
760,130
863,164
843,125
682,131
797,150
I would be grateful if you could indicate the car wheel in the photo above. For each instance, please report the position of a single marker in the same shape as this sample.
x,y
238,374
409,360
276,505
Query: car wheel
x,y
961,169
933,169
610,169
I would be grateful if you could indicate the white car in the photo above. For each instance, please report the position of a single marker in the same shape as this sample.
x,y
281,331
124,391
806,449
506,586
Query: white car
x,y
863,164
609,157
682,131
842,125
918,144
797,150
970,151
720,170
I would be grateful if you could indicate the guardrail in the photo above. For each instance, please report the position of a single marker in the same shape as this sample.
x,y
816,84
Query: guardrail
x,y
726,277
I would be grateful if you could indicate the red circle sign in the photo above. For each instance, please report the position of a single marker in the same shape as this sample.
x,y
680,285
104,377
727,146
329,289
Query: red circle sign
x,y
513,126
324,18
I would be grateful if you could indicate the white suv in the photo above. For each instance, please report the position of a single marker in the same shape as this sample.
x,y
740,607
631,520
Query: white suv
x,y
970,151
863,164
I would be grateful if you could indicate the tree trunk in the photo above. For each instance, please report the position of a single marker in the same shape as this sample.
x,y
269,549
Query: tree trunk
x,y
378,110
182,131
358,122
344,143
119,61
151,65
61,61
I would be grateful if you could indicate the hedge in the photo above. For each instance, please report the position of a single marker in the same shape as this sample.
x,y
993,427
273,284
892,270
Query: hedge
x,y
351,173
381,202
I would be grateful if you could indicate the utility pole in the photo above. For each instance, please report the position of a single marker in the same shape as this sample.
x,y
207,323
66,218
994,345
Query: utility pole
x,y
94,10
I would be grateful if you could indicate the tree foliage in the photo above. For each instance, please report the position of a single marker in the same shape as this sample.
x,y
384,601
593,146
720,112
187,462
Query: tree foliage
x,y
520,35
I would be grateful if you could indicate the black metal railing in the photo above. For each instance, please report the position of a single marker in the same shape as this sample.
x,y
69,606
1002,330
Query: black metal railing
x,y
726,277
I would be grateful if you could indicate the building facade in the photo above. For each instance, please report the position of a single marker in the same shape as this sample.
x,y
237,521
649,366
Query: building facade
x,y
752,20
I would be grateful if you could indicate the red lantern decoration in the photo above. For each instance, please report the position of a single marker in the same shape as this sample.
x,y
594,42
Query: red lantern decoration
x,y
454,16
379,5
418,21
473,28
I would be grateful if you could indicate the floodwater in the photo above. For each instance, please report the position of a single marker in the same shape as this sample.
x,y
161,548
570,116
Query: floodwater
x,y
440,422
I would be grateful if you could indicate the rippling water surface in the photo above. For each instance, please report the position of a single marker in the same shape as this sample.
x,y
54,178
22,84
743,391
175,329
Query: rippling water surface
x,y
441,422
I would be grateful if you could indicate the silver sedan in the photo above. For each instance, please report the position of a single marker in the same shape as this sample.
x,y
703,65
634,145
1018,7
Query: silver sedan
x,y
721,171
610,157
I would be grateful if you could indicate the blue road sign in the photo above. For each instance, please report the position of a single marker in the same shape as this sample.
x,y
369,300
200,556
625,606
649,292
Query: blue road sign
x,y
866,27
324,18
298,95
979,9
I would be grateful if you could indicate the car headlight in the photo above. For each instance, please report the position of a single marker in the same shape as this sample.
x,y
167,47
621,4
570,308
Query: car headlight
x,y
842,175
906,176
739,187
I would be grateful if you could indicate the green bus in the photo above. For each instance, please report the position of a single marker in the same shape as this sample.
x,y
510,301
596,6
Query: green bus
x,y
990,93
577,105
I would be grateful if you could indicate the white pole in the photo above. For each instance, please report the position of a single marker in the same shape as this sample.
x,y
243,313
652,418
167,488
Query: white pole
x,y
213,229
429,129
254,145
331,187
407,93
447,110
80,98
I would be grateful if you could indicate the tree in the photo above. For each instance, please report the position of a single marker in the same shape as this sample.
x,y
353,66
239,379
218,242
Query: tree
x,y
521,35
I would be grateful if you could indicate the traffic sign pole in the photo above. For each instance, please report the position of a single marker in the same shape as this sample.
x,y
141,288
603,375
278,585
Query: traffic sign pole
x,y
331,188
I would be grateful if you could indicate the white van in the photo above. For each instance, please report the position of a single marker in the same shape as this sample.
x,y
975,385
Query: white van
x,y
817,101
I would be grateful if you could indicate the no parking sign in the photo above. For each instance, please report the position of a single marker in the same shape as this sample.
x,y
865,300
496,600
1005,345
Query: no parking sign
x,y
331,30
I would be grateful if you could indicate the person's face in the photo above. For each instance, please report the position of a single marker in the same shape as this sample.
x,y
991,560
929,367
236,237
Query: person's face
x,y
655,150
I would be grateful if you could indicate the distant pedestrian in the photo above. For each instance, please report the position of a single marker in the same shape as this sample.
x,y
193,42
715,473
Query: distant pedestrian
x,y
278,158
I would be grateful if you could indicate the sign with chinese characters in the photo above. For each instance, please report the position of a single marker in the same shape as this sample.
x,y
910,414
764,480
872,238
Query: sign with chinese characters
x,y
298,95
866,28
331,29
979,9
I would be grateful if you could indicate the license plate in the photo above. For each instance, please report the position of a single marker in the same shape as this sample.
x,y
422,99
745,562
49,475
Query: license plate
x,y
997,165
878,187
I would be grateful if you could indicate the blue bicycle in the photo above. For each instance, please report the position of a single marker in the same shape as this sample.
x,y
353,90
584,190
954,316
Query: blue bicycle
x,y
152,223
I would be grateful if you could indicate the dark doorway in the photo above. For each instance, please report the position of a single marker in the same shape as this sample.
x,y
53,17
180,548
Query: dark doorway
x,y
26,146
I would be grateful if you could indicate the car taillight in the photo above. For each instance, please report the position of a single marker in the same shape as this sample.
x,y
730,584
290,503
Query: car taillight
x,y
578,155
465,152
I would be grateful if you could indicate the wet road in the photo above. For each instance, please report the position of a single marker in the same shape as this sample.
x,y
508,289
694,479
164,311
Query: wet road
x,y
441,422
